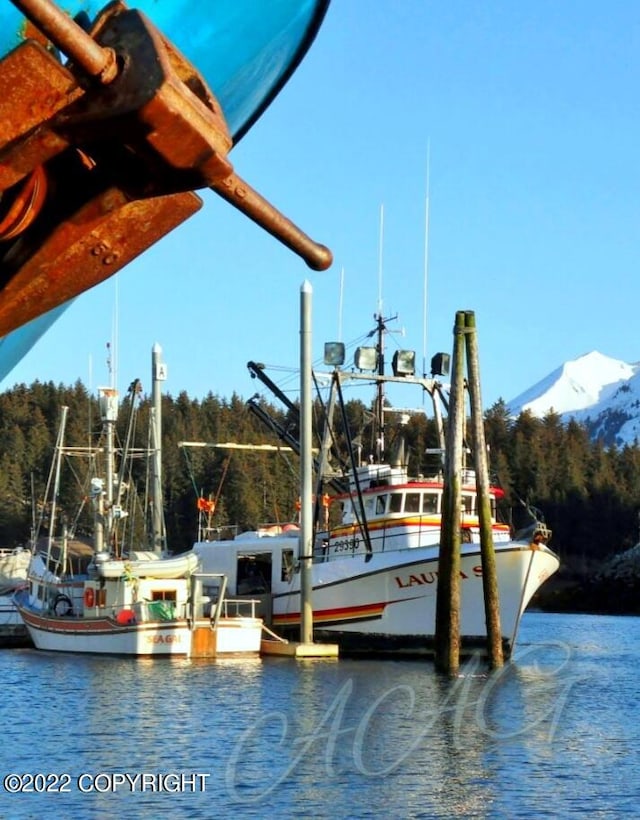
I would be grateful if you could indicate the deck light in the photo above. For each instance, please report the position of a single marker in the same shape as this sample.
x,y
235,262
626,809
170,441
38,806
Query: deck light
x,y
404,363
334,354
366,358
440,364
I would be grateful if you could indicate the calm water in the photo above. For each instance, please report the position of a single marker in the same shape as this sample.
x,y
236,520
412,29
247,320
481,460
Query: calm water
x,y
555,734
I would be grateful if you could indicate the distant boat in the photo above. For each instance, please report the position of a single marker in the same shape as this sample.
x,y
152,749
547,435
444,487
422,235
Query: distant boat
x,y
14,564
140,603
374,572
246,53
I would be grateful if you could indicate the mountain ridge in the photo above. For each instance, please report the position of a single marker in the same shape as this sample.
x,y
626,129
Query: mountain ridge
x,y
596,390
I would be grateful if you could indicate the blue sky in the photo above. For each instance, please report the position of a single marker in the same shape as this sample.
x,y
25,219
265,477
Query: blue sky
x,y
529,114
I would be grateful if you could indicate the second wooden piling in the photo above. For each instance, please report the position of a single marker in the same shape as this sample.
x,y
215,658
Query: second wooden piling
x,y
488,559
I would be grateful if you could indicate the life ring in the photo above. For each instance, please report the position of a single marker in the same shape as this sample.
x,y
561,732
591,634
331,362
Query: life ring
x,y
89,597
62,605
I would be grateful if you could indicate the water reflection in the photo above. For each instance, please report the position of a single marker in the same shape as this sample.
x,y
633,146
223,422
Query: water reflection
x,y
346,738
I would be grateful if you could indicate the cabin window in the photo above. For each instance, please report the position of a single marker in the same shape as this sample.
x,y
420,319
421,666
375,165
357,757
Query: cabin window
x,y
369,506
287,565
412,503
467,504
381,504
163,595
430,503
162,606
395,503
253,574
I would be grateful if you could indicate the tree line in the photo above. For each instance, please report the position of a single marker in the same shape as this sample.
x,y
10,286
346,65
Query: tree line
x,y
589,493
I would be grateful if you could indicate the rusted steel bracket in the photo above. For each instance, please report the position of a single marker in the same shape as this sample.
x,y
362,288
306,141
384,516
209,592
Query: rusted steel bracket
x,y
105,151
101,237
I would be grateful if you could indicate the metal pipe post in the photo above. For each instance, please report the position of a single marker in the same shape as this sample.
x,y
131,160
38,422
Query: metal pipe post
x,y
306,459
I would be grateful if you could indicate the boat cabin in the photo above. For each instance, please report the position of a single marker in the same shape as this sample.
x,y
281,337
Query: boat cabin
x,y
409,499
257,564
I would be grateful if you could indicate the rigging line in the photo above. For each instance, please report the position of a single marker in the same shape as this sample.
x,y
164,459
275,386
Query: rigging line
x,y
359,507
222,478
340,305
325,421
190,471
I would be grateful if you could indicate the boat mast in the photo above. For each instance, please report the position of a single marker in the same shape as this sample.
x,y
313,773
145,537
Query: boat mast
x,y
379,410
103,495
56,482
159,375
379,442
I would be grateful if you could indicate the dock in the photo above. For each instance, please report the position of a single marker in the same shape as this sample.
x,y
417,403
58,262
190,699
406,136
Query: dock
x,y
297,649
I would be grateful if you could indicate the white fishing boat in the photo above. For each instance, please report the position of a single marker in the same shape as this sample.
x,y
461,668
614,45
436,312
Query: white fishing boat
x,y
141,603
138,615
14,564
374,572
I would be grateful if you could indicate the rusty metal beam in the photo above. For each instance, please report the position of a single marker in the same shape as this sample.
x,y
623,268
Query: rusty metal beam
x,y
97,240
110,164
243,197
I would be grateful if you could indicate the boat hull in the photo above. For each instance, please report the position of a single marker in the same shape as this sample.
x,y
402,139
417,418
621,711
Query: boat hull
x,y
388,603
104,636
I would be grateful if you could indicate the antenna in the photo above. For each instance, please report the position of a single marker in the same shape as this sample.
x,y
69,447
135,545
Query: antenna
x,y
340,305
115,332
426,265
380,260
109,364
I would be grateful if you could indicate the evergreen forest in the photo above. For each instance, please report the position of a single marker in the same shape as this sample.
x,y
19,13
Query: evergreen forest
x,y
588,493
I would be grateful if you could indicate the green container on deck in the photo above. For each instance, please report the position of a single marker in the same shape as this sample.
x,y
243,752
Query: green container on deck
x,y
161,611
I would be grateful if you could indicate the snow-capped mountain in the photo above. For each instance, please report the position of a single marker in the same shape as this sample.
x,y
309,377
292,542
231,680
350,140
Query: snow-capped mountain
x,y
598,391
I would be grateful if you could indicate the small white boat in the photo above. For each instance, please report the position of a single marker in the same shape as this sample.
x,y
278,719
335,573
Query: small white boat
x,y
146,565
138,604
139,615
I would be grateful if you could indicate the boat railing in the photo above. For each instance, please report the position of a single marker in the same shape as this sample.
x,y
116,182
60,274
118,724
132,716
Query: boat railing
x,y
239,607
225,532
220,605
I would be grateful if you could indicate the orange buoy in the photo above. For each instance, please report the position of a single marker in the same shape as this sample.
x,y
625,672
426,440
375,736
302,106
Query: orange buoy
x,y
89,597
126,616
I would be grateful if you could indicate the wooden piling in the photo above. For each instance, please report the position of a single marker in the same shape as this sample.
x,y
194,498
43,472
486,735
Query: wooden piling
x,y
447,629
488,559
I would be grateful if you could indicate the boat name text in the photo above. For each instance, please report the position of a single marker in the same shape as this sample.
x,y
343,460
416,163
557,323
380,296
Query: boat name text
x,y
420,578
164,638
